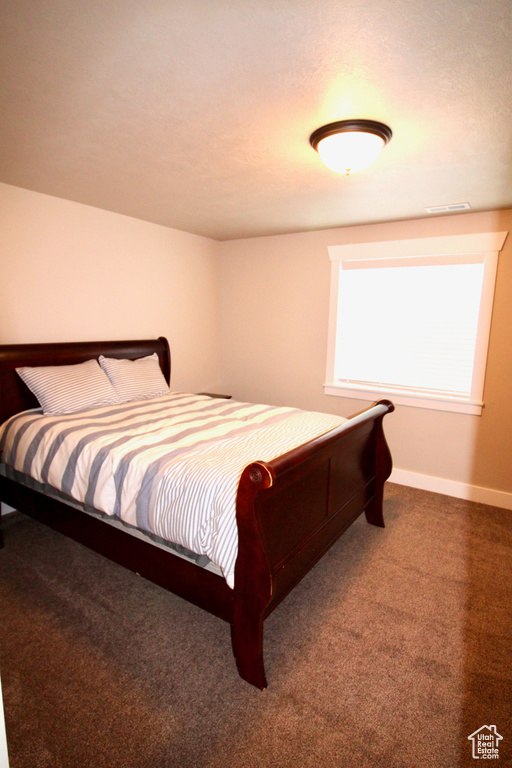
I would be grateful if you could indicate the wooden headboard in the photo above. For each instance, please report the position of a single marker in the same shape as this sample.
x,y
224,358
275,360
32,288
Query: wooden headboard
x,y
15,395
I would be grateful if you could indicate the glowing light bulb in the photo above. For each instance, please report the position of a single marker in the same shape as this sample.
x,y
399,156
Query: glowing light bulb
x,y
349,146
350,152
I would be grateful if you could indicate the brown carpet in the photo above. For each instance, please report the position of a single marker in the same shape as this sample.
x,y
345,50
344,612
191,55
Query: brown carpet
x,y
392,651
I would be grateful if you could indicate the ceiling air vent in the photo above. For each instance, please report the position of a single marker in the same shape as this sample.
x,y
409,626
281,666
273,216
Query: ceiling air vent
x,y
453,208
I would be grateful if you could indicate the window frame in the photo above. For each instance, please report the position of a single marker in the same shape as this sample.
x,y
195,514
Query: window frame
x,y
485,244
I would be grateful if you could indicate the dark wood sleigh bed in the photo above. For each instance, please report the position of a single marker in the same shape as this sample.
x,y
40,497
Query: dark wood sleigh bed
x,y
289,511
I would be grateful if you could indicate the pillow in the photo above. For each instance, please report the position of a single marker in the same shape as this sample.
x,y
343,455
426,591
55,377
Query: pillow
x,y
69,388
135,379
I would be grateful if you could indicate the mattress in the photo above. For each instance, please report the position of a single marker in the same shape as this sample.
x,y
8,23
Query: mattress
x,y
169,466
169,546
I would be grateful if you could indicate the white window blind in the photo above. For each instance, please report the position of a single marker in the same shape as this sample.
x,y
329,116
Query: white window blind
x,y
421,331
411,325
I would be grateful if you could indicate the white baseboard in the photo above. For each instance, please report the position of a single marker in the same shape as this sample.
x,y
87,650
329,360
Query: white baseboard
x,y
6,510
452,488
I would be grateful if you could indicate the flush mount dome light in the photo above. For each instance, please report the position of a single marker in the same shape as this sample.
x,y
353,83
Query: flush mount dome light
x,y
349,146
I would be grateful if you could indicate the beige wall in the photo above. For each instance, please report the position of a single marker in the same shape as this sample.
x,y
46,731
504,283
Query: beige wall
x,y
275,300
72,272
247,317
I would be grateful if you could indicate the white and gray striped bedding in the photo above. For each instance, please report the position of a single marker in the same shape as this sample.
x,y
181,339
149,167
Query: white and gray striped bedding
x,y
169,466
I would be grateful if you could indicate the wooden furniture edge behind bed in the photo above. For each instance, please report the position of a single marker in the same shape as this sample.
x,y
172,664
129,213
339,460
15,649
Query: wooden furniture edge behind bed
x,y
289,511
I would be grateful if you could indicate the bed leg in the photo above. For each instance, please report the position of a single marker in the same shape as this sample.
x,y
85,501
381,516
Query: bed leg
x,y
383,466
373,511
247,641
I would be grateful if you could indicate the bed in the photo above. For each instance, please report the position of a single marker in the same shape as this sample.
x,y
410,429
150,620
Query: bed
x,y
288,510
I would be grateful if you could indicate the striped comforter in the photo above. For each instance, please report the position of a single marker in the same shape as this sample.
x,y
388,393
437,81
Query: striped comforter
x,y
169,466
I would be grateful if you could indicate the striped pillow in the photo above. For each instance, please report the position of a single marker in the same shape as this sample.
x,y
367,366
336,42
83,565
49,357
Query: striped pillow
x,y
69,388
135,379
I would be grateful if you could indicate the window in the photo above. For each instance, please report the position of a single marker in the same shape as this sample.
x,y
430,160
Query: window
x,y
410,319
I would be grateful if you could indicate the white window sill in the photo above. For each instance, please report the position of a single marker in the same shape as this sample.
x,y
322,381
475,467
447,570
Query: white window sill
x,y
400,397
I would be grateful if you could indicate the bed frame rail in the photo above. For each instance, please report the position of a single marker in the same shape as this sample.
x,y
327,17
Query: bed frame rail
x,y
289,511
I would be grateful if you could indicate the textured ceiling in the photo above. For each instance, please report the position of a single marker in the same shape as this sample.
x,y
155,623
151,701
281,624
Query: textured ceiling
x,y
196,114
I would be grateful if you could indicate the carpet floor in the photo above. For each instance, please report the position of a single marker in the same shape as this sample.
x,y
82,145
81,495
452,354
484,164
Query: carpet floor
x,y
393,650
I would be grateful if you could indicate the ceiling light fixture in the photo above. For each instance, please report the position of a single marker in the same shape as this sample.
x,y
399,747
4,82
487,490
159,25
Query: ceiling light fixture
x,y
348,146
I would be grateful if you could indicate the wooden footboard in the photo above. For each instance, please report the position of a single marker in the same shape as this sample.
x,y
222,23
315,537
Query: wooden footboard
x,y
291,510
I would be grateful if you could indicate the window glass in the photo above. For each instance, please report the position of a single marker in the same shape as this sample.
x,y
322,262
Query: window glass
x,y
413,327
416,327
